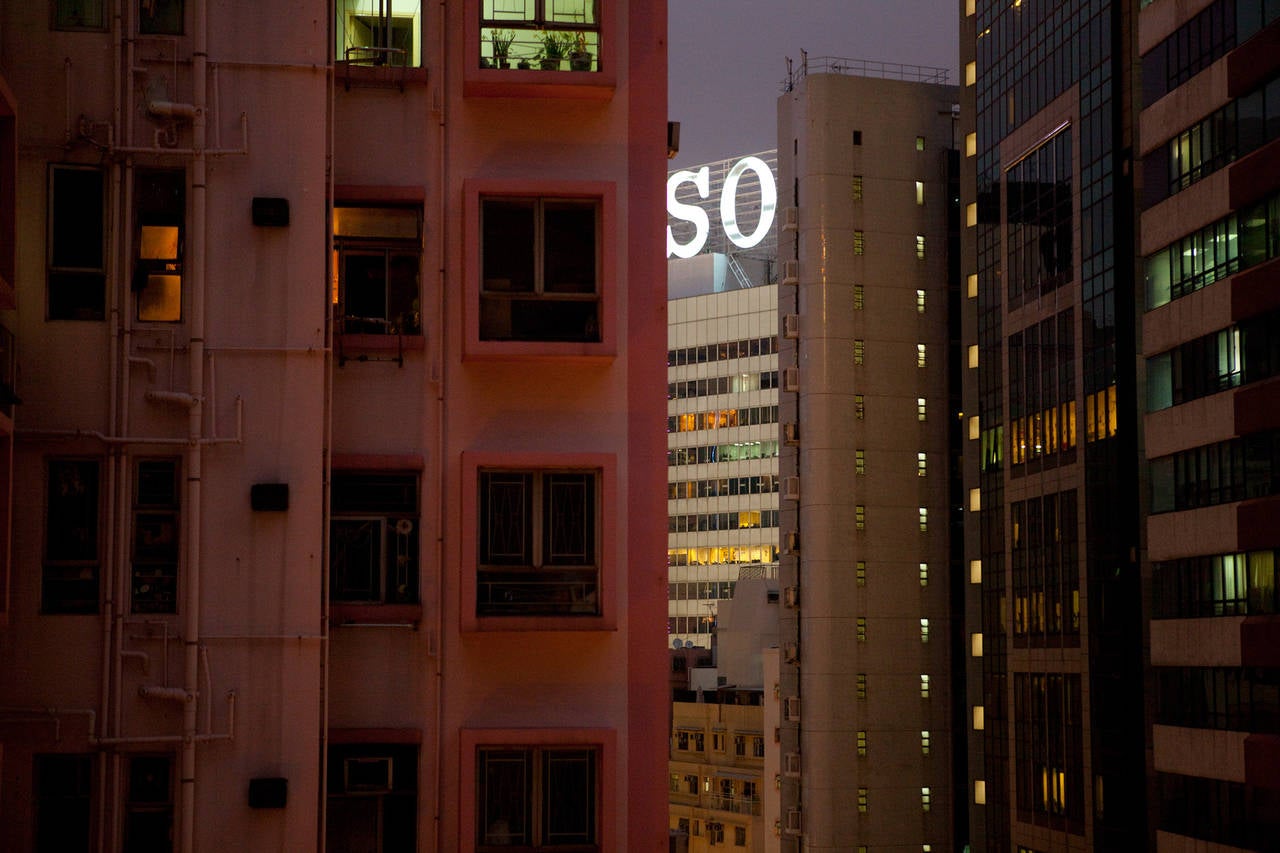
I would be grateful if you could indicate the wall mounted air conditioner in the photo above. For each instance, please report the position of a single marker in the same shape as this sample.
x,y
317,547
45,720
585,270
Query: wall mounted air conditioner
x,y
791,764
791,596
791,652
791,379
793,825
790,272
791,488
791,433
791,709
790,218
367,774
792,542
791,326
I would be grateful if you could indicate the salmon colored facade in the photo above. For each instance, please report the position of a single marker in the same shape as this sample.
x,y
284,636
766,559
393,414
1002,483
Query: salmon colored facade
x,y
337,497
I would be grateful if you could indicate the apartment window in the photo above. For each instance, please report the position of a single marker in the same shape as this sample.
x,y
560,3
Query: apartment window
x,y
860,461
372,802
857,187
924,574
63,798
924,520
924,741
924,686
543,33
717,741
78,15
860,684
859,351
920,246
862,744
541,269
860,516
921,355
864,803
861,628
740,746
161,209
154,569
373,537
860,572
757,748
924,630
922,464
77,266
919,143
859,242
538,551
922,409
148,817
378,32
739,836
70,578
377,258
715,831
536,798
857,137
160,17
926,797
857,297
919,192
859,406
919,301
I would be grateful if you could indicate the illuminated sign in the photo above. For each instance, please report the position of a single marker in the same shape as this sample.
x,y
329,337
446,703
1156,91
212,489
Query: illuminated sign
x,y
701,221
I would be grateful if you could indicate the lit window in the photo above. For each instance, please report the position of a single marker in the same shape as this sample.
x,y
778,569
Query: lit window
x,y
160,17
544,33
154,569
377,255
919,192
538,551
160,206
78,15
69,581
975,571
919,301
857,187
540,269
924,520
971,286
971,214
372,793
924,742
920,246
979,717
922,464
980,792
975,500
925,799
860,684
859,461
862,743
860,572
378,32
924,630
975,430
921,408
859,350
860,517
77,265
975,644
859,242
861,628
973,355
373,535
863,802
919,143
970,73
921,357
971,145
148,817
924,574
537,797
63,799
859,406
857,297
924,687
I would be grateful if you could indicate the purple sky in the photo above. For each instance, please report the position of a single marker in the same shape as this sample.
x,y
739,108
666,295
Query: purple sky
x,y
726,59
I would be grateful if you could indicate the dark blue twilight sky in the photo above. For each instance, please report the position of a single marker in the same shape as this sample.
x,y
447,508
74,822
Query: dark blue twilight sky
x,y
727,59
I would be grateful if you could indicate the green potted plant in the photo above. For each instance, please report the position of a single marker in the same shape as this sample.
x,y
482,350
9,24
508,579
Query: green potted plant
x,y
555,47
501,40
579,56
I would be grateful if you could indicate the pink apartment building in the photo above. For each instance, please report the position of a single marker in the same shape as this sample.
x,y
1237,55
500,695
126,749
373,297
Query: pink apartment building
x,y
336,480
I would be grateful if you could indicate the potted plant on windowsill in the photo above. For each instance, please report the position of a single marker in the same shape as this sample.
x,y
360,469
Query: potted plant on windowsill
x,y
579,56
555,47
500,41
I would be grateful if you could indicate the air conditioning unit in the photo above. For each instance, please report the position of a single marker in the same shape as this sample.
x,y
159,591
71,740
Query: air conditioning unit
x,y
792,543
791,709
791,652
367,774
791,764
791,596
790,218
791,433
790,272
791,488
791,326
793,824
791,379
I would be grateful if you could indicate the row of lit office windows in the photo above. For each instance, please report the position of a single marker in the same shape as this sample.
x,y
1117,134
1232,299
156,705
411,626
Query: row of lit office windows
x,y
723,351
737,383
759,484
742,520
723,419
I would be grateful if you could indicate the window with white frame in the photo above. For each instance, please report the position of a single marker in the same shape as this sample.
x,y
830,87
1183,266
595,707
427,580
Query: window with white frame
x,y
537,798
538,548
154,568
550,35
377,258
540,278
161,210
373,537
77,256
378,32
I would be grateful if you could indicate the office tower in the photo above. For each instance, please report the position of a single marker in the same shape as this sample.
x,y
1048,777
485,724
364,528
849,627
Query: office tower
x,y
722,387
1054,607
1210,322
865,168
338,462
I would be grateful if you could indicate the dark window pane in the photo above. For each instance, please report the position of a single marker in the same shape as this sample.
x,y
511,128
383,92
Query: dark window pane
x,y
570,247
568,796
504,798
508,235
162,17
62,803
506,518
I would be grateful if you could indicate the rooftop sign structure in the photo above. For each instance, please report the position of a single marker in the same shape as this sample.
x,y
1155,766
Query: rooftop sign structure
x,y
726,207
